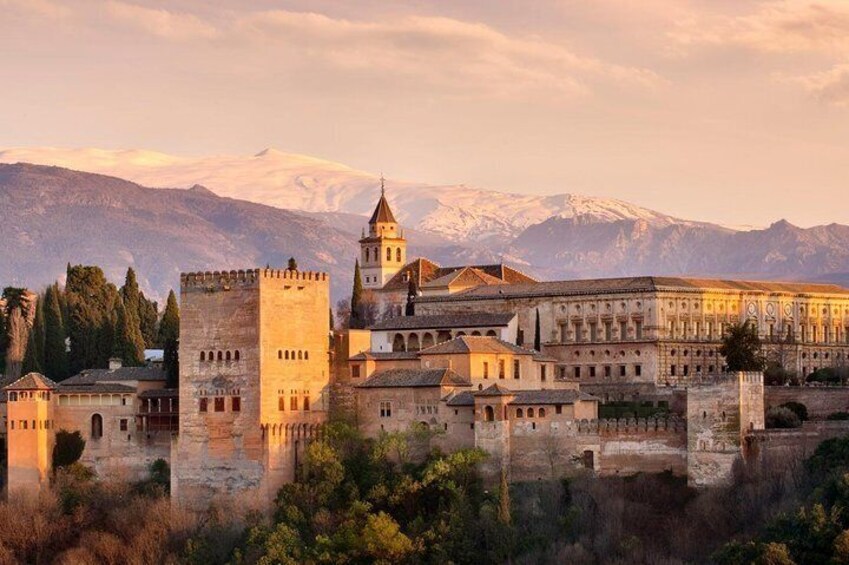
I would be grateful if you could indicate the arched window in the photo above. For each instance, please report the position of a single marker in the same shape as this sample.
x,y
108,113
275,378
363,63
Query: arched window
x,y
96,426
211,356
228,356
306,355
398,343
13,396
530,412
377,254
203,355
476,333
542,412
398,255
389,254
280,354
427,340
491,333
519,413
488,414
300,355
220,355
367,254
413,342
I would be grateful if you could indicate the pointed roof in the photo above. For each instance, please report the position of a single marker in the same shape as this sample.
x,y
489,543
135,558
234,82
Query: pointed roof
x,y
475,344
382,213
32,381
494,390
464,276
392,378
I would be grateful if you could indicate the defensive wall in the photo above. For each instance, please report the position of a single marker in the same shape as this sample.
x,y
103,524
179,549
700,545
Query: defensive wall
x,y
820,401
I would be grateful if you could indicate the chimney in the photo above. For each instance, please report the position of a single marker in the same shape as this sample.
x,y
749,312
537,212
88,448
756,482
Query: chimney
x,y
115,363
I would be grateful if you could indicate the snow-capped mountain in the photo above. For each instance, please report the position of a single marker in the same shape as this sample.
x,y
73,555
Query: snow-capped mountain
x,y
298,182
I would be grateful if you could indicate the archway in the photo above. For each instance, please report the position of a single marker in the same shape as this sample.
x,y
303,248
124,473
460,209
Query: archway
x,y
413,342
427,340
96,426
488,414
398,343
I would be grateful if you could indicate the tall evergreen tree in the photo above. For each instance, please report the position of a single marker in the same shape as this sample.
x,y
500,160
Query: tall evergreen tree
x,y
4,340
741,348
293,265
20,317
357,321
537,336
169,326
55,346
412,291
129,344
171,363
91,304
148,317
34,356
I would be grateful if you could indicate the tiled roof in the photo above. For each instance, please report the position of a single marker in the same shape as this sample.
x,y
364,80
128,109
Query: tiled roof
x,y
32,381
420,271
96,388
423,271
494,390
550,396
475,344
160,393
385,356
392,378
463,276
444,321
634,284
90,376
464,398
382,213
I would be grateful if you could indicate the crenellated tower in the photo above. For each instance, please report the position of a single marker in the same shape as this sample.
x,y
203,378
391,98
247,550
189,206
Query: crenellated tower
x,y
384,250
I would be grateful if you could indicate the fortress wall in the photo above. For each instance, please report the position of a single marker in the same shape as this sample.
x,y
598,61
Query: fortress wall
x,y
820,401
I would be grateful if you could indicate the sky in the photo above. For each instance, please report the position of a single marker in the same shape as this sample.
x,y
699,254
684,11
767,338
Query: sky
x,y
731,111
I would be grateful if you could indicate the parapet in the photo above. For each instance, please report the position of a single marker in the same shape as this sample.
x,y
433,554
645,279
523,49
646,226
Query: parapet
x,y
632,425
225,280
293,275
742,377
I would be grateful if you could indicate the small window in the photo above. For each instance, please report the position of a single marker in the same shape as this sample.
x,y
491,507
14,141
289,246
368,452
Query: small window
x,y
96,426
488,414
300,355
203,355
558,409
592,371
306,403
398,254
501,369
577,372
519,413
236,404
281,403
638,370
204,404
236,355
355,371
220,355
516,369
621,370
385,409
530,412
306,355
211,356
228,356
280,354
287,355
542,372
293,403
486,369
123,424
542,412
219,404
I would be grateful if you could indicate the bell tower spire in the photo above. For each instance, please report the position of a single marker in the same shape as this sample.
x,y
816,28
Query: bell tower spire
x,y
384,251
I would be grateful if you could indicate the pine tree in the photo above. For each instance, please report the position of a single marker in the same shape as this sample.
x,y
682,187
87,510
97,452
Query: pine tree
x,y
169,326
357,321
55,346
129,344
537,336
34,356
741,348
148,317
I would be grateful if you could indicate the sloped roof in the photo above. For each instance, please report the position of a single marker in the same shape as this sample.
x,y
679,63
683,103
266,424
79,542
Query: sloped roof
x,y
634,284
32,381
464,398
382,213
384,356
464,276
91,376
550,396
420,271
392,378
160,393
96,388
494,389
445,321
423,271
475,344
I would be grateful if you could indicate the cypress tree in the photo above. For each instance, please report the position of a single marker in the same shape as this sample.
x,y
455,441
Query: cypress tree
x,y
34,356
129,344
171,363
55,346
504,514
410,310
91,306
537,336
3,340
148,316
293,265
357,321
169,327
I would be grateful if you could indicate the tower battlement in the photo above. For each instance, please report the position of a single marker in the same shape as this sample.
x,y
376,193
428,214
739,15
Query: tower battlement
x,y
226,280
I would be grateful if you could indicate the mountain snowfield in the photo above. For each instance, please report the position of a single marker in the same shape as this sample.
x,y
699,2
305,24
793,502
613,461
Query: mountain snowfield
x,y
298,182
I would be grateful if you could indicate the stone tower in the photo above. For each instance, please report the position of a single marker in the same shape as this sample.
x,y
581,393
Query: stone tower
x,y
31,436
492,430
254,376
384,251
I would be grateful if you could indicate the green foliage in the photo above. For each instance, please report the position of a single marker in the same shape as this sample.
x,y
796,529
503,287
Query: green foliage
x,y
782,417
356,321
4,340
169,327
129,343
797,408
776,375
827,375
91,303
34,356
148,318
741,348
292,265
68,448
537,334
838,416
55,346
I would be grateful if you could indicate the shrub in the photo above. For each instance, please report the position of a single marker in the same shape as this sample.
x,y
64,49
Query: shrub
x,y
776,375
781,417
68,448
797,408
826,375
838,416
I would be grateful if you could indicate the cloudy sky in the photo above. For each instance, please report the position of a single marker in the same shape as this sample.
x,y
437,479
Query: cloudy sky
x,y
735,111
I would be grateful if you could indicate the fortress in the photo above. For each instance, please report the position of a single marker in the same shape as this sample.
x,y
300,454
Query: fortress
x,y
261,372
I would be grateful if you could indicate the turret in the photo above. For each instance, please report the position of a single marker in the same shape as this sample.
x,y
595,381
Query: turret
x,y
30,436
384,251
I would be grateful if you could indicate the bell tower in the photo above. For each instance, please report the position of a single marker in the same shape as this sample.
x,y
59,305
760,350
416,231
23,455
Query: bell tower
x,y
384,250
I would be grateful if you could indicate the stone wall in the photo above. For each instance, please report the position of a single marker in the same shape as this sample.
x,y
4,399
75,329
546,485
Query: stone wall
x,y
820,401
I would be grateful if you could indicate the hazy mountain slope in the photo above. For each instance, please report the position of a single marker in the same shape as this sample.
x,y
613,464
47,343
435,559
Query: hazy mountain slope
x,y
51,216
298,182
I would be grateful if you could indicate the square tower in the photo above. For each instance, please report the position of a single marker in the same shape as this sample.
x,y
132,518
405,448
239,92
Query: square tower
x,y
384,250
30,436
254,377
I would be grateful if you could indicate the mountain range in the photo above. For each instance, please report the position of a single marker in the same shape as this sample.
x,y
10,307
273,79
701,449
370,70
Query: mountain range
x,y
237,212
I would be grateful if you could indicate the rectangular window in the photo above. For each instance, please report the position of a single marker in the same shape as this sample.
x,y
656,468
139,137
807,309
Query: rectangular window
x,y
672,370
516,369
486,369
501,369
593,331
638,370
281,403
122,424
592,371
236,404
579,332
607,370
638,329
623,331
564,332
385,409
558,409
608,331
686,370
542,372
24,424
577,372
219,404
204,404
307,403
710,369
293,403
621,370
12,422
355,371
